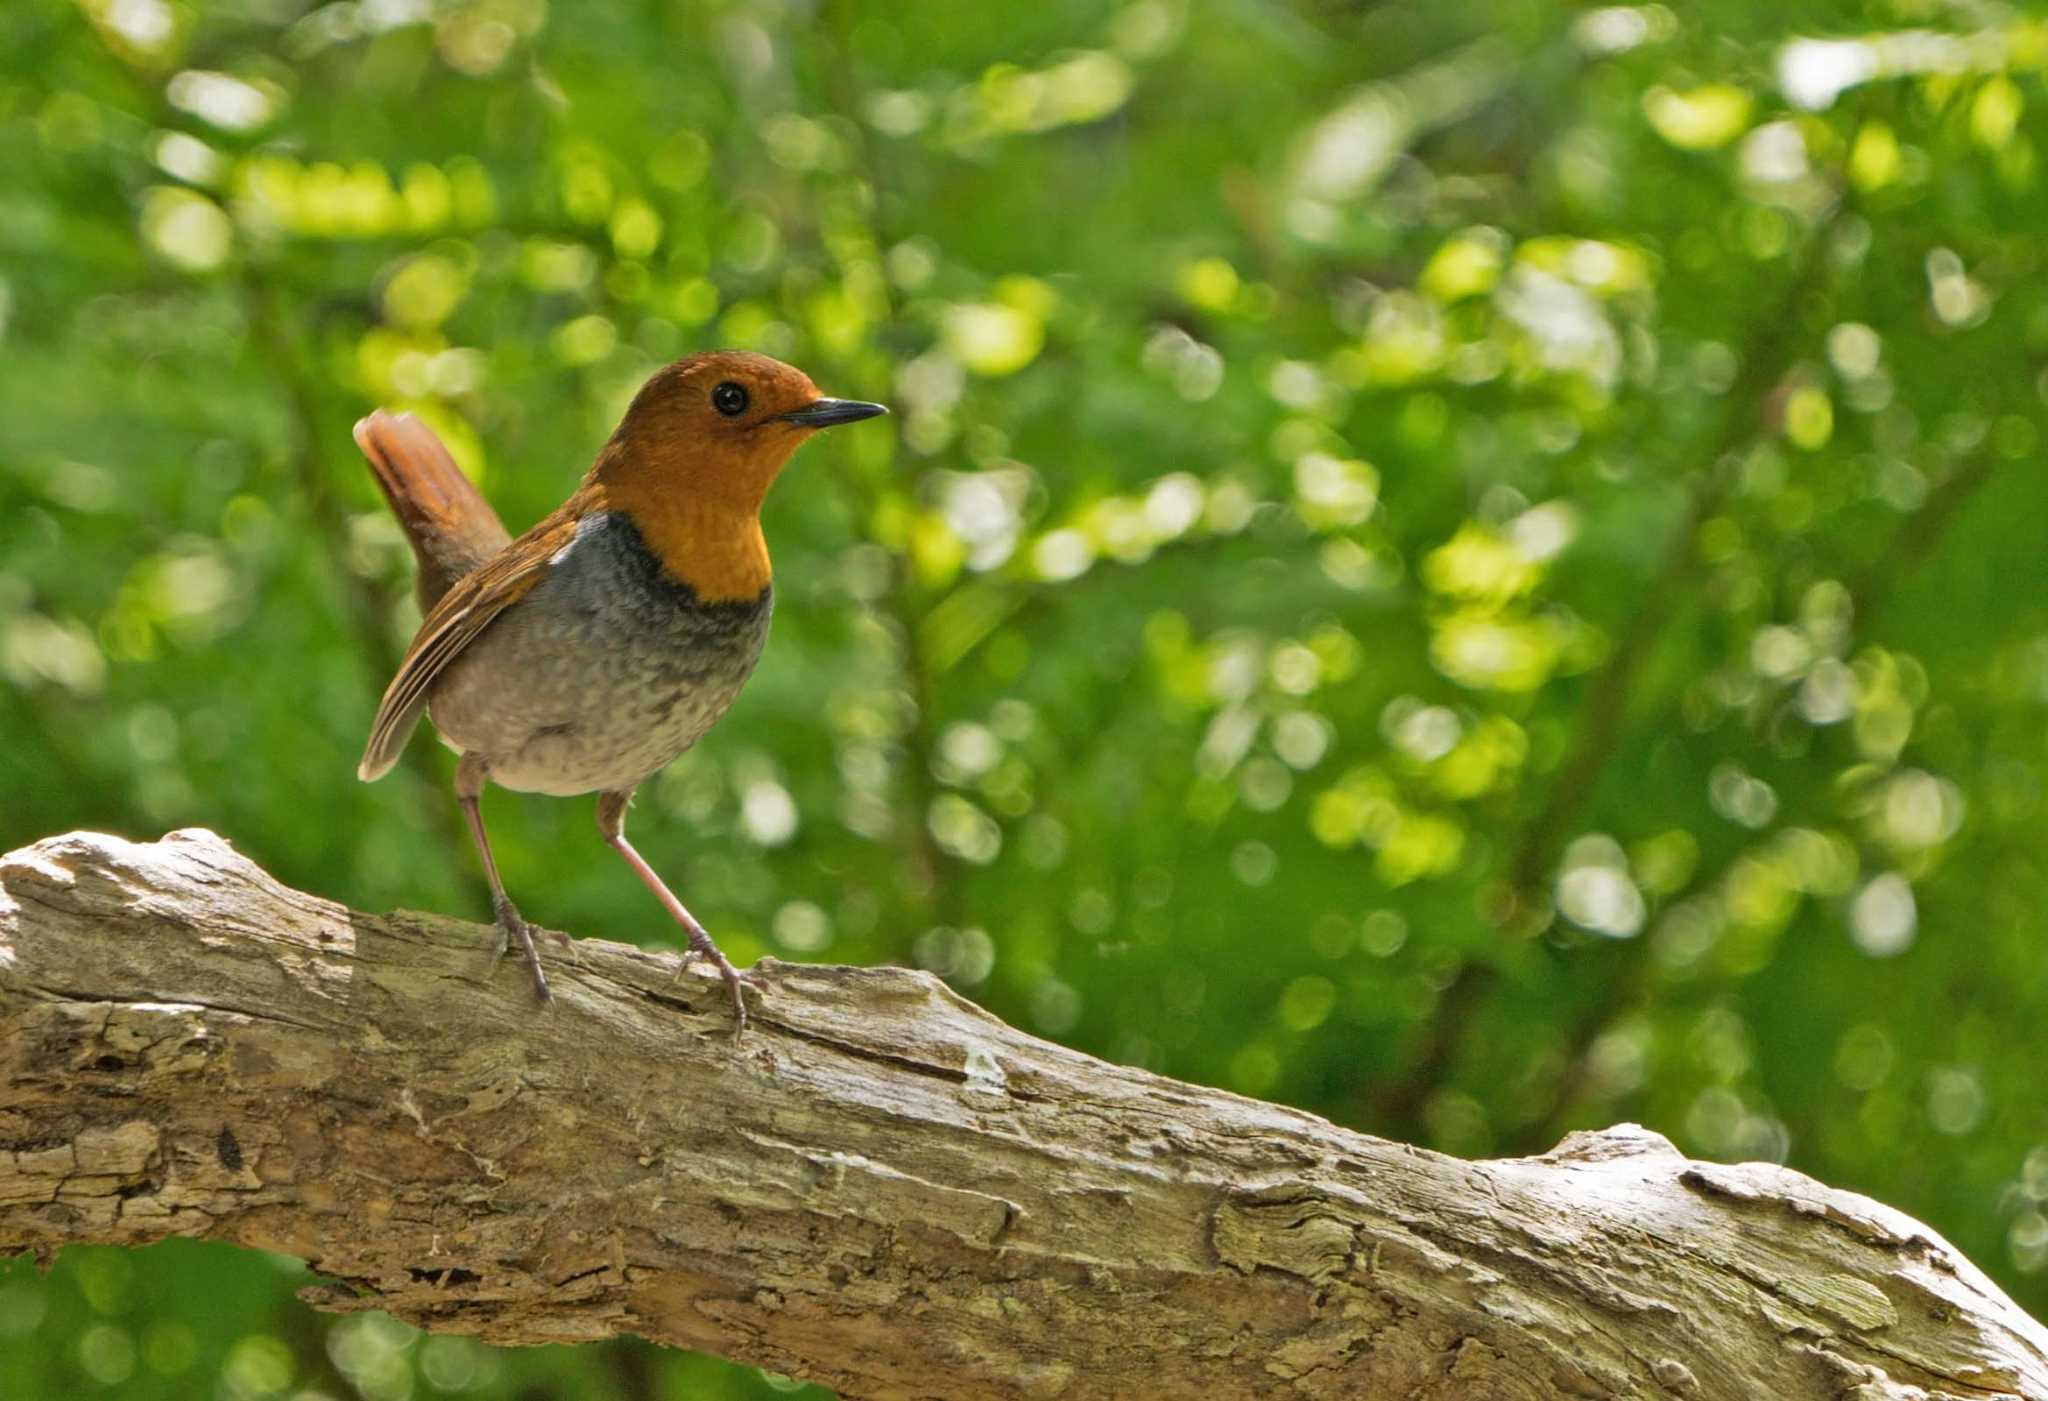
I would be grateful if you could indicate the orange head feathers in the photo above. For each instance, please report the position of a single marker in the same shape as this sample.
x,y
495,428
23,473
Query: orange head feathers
x,y
695,455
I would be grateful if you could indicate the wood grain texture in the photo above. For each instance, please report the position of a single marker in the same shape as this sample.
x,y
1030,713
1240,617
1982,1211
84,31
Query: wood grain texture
x,y
881,1188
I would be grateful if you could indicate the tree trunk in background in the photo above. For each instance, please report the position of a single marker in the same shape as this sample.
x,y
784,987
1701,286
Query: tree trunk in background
x,y
881,1187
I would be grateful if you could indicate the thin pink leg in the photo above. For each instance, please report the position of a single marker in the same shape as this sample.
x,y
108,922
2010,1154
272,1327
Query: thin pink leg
x,y
611,821
470,776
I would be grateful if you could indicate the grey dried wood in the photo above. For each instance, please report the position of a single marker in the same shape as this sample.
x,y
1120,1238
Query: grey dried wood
x,y
881,1188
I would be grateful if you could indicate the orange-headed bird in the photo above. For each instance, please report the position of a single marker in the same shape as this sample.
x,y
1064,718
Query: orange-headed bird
x,y
585,655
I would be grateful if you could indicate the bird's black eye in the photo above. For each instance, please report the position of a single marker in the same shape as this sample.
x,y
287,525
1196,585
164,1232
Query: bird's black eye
x,y
729,398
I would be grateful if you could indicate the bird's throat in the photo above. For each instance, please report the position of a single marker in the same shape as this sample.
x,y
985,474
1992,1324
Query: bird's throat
x,y
708,541
719,552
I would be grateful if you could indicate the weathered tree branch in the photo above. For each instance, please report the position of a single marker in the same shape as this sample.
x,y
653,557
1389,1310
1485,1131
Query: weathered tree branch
x,y
881,1187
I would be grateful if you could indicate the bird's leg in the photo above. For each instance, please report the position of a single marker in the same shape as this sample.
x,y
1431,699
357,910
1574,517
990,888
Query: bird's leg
x,y
470,777
611,821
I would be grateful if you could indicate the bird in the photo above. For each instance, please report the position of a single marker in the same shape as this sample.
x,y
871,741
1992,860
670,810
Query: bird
x,y
586,654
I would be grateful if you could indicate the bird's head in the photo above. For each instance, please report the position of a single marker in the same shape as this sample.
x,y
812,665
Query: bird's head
x,y
695,454
723,423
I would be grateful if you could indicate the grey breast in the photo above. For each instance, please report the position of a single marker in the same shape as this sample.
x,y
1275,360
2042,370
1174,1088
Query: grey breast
x,y
602,674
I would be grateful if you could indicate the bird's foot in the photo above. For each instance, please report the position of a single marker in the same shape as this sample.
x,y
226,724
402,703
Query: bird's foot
x,y
702,946
513,928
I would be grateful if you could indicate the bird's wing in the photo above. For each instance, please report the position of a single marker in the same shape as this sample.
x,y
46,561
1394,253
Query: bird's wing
x,y
470,606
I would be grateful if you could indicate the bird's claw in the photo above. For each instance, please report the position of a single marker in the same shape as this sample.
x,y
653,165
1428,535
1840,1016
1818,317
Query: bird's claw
x,y
735,981
512,927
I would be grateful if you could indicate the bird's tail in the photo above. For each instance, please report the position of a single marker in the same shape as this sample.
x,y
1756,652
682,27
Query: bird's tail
x,y
451,527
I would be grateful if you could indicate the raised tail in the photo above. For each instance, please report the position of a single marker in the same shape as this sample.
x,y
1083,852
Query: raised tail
x,y
451,527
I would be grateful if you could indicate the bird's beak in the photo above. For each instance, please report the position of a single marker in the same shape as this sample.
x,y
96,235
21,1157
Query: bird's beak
x,y
824,413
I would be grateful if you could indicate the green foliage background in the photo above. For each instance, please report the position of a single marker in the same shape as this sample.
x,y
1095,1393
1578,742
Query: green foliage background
x,y
1474,568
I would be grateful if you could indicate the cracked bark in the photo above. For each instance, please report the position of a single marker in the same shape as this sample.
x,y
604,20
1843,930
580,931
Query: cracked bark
x,y
882,1188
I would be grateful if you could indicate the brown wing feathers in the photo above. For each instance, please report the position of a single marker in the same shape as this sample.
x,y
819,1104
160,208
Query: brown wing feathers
x,y
463,612
470,569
